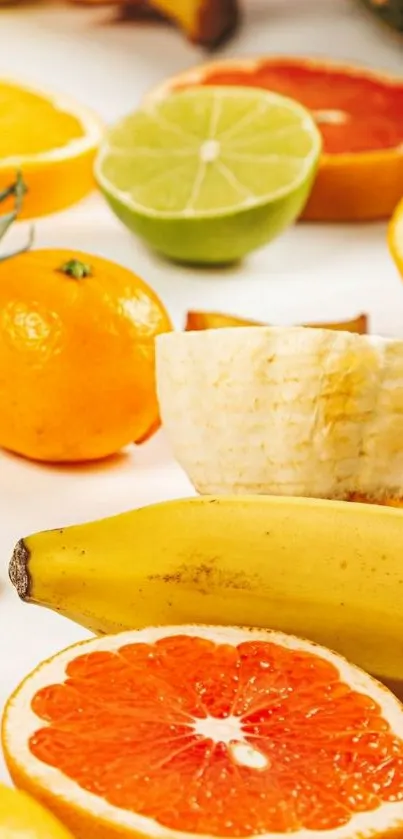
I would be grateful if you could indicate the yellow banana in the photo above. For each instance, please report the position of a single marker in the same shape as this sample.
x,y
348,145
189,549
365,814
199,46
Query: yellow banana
x,y
327,570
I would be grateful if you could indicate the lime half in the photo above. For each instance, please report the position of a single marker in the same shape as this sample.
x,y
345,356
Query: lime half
x,y
208,174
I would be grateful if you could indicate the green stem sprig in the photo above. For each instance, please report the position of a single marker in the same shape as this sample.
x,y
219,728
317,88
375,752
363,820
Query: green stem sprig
x,y
17,189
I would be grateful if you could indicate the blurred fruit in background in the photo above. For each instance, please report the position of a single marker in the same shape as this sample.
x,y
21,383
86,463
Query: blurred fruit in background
x,y
208,175
196,321
395,236
53,140
204,22
77,339
387,11
360,116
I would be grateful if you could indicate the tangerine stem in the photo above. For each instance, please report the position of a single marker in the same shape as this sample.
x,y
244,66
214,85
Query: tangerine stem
x,y
76,269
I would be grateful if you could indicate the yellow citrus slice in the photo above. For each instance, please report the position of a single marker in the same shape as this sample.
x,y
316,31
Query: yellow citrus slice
x,y
21,817
52,140
181,732
395,236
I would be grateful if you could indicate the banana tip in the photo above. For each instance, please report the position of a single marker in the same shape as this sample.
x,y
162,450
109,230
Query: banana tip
x,y
18,570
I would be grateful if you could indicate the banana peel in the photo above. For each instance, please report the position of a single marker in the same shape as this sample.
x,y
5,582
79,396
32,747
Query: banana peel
x,y
197,320
325,570
205,22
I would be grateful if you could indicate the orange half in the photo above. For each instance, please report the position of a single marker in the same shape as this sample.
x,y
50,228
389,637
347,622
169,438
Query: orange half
x,y
181,732
359,113
52,141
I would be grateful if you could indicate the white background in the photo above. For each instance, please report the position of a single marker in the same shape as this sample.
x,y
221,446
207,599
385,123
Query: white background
x,y
311,273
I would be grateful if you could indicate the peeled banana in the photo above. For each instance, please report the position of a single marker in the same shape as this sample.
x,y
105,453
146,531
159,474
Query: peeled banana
x,y
284,411
329,571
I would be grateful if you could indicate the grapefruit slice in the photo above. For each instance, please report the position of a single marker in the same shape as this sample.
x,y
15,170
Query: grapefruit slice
x,y
208,731
360,116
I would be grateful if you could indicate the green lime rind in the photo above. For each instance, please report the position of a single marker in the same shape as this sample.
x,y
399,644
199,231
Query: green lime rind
x,y
209,174
215,241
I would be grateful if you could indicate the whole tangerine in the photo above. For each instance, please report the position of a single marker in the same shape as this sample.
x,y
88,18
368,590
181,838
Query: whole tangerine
x,y
77,336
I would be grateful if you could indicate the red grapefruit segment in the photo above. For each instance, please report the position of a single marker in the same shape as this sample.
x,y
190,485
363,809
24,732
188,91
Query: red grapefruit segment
x,y
360,116
209,731
355,113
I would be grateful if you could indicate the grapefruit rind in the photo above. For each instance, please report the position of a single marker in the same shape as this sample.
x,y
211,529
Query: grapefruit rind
x,y
88,814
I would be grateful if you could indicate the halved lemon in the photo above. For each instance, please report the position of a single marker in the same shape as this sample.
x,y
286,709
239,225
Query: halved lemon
x,y
52,140
193,732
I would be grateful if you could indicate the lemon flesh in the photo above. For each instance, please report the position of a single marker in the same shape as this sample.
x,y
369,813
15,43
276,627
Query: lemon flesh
x,y
208,174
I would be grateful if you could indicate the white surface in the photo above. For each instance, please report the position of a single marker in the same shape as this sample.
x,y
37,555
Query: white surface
x,y
311,273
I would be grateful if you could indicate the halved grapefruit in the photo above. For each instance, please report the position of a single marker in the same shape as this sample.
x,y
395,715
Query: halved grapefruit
x,y
359,113
208,732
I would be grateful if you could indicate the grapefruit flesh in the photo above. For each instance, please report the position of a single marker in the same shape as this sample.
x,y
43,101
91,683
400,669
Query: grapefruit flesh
x,y
355,113
214,731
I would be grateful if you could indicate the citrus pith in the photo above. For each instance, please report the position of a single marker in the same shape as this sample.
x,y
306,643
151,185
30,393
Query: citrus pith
x,y
208,731
52,140
358,112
